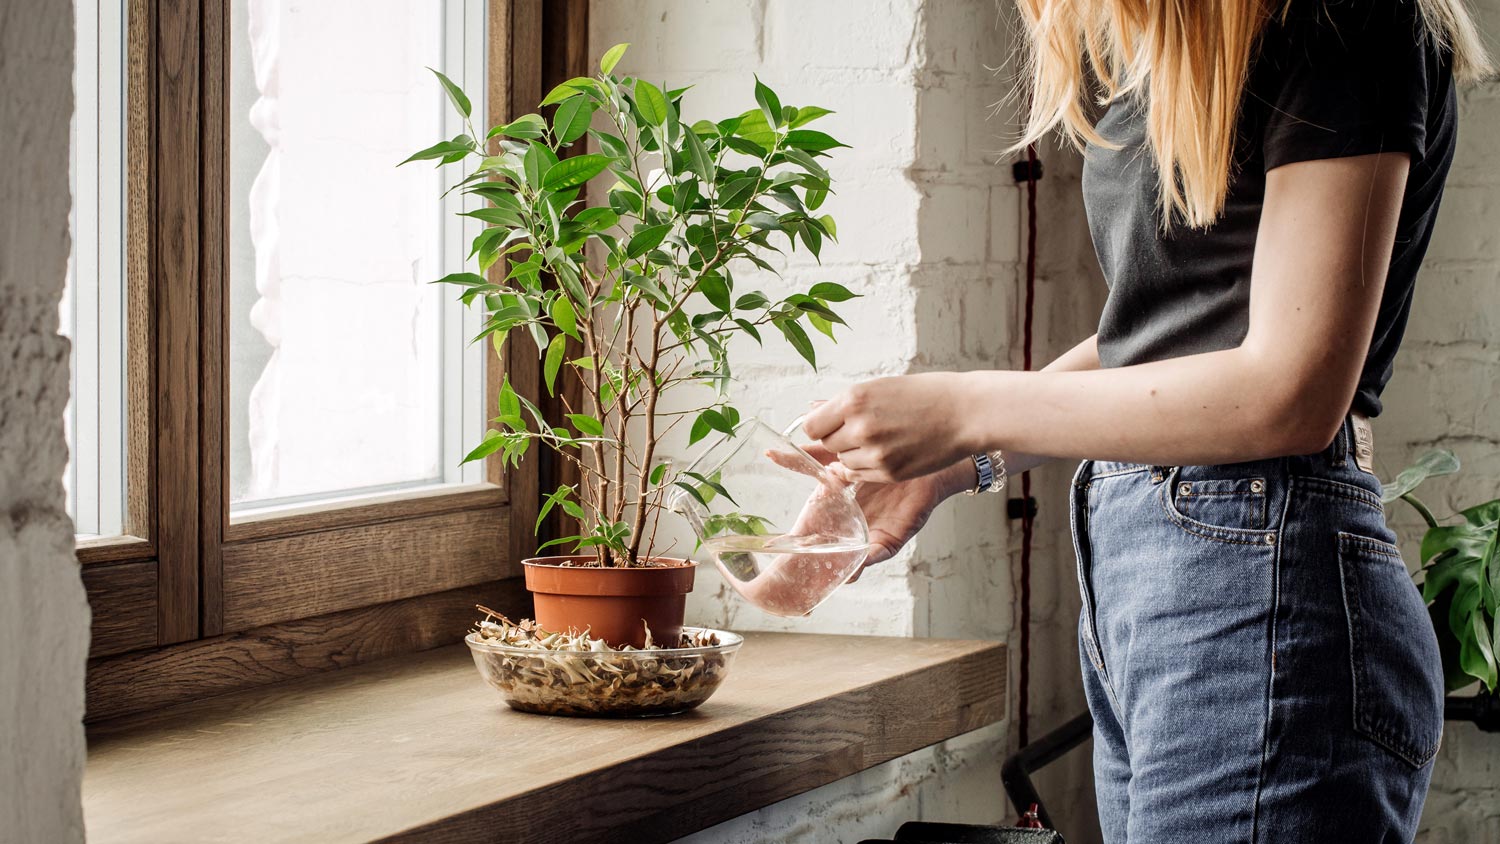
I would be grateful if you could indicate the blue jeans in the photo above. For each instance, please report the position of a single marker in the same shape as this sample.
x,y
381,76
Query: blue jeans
x,y
1258,663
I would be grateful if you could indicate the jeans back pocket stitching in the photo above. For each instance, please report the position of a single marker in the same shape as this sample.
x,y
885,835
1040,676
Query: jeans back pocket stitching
x,y
1406,750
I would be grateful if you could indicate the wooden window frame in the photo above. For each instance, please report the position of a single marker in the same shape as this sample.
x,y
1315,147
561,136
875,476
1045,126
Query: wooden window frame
x,y
186,603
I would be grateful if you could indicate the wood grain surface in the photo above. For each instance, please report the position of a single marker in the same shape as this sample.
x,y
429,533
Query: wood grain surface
x,y
142,681
308,574
122,597
418,748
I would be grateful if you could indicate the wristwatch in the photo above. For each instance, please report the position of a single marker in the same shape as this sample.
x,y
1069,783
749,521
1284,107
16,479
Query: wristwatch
x,y
991,468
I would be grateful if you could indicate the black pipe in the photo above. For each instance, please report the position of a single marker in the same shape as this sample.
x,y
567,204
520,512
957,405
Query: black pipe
x,y
1016,772
1482,709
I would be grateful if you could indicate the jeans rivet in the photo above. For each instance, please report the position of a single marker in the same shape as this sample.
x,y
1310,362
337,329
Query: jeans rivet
x,y
1270,539
1185,489
1257,486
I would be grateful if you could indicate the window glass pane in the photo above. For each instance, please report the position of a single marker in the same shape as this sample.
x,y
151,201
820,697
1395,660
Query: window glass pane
x,y
92,313
349,372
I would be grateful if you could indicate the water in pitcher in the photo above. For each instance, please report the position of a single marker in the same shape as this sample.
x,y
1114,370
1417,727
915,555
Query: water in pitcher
x,y
785,574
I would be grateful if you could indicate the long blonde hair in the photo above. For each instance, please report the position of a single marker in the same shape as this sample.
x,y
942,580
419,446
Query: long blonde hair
x,y
1189,59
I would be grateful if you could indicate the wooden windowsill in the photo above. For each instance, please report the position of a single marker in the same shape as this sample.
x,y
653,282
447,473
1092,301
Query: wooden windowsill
x,y
418,748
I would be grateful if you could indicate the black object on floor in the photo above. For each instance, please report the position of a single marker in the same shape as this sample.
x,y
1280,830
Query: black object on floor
x,y
1016,776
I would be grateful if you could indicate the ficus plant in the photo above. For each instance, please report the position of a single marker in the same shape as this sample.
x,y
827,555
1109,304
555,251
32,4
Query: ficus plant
x,y
1460,575
631,286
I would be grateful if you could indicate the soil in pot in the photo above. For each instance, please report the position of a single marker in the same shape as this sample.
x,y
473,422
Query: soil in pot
x,y
616,604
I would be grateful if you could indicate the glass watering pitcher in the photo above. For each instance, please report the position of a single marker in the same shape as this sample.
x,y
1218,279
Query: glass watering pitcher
x,y
785,531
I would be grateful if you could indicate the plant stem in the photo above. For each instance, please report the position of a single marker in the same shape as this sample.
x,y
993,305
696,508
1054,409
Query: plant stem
x,y
1421,509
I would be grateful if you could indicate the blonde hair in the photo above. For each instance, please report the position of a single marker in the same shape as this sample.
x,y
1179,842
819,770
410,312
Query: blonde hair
x,y
1189,60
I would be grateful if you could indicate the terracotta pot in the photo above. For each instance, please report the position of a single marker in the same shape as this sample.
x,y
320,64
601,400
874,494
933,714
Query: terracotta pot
x,y
611,602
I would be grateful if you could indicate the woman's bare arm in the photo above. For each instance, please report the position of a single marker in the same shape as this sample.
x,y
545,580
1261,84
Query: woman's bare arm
x,y
1322,250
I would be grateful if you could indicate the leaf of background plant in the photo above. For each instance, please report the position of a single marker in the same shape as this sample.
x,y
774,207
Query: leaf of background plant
x,y
574,171
441,149
510,403
754,128
455,95
596,219
699,430
657,472
1435,463
770,104
652,103
612,57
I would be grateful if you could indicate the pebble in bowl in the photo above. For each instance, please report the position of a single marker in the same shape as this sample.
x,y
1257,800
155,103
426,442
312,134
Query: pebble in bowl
x,y
572,674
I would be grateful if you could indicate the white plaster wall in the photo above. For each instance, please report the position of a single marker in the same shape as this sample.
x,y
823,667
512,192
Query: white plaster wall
x,y
1444,394
43,615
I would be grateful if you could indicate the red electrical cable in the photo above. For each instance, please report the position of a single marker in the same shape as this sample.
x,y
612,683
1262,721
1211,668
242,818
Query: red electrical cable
x,y
1028,307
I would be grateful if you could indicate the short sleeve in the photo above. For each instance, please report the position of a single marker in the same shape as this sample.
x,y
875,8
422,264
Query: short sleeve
x,y
1340,78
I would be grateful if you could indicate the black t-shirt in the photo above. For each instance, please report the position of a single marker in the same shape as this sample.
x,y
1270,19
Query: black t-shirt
x,y
1335,78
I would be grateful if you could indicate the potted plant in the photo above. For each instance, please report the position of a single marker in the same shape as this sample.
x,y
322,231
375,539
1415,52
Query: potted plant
x,y
631,289
1460,575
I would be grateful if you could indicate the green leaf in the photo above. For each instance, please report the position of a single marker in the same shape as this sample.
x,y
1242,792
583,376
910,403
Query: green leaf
x,y
553,362
509,402
646,239
464,279
823,325
557,495
806,115
715,289
612,57
717,421
1434,463
812,140
596,219
652,103
561,540
830,292
829,226
699,430
586,424
714,485
567,90
538,161
572,119
455,95
493,441
658,472
770,104
798,338
527,127
564,316
574,171
445,150
702,162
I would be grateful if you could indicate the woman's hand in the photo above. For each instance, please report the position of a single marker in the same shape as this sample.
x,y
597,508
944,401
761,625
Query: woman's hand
x,y
896,511
893,429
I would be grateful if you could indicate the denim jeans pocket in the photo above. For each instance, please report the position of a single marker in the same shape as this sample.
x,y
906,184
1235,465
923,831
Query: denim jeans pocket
x,y
1232,510
1396,674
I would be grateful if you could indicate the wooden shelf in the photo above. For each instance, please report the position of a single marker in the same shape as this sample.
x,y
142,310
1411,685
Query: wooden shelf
x,y
418,748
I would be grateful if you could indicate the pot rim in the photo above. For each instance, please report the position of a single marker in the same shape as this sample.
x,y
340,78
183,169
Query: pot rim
x,y
545,563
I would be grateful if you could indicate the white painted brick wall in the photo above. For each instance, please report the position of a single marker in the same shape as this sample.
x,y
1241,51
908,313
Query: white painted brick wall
x,y
43,615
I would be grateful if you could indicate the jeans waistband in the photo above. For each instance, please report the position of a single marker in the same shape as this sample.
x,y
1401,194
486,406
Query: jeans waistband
x,y
1341,453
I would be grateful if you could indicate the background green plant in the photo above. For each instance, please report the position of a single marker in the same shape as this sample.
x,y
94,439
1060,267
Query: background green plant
x,y
1459,575
636,293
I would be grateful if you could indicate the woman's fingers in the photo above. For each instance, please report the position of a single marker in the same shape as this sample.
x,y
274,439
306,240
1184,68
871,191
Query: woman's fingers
x,y
824,419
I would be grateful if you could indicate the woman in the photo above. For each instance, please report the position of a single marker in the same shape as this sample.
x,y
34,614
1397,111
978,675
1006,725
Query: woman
x,y
1257,661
